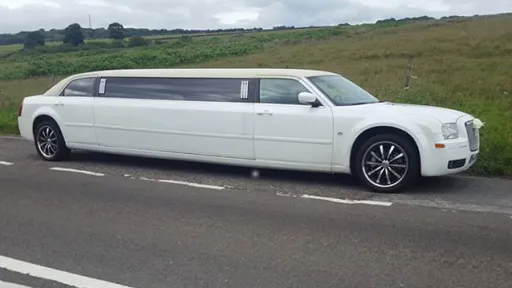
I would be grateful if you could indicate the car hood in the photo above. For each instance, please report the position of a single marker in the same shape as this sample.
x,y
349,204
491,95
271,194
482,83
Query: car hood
x,y
443,115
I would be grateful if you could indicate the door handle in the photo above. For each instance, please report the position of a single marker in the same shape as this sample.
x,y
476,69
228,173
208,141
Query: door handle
x,y
266,112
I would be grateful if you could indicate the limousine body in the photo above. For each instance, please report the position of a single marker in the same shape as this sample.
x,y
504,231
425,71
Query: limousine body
x,y
263,118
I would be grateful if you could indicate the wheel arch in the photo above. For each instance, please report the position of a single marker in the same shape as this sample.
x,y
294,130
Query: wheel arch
x,y
45,117
384,129
61,151
39,119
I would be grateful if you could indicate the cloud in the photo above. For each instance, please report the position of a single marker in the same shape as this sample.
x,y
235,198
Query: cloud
x,y
18,15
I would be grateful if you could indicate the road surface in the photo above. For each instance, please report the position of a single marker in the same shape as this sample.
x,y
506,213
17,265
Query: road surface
x,y
110,221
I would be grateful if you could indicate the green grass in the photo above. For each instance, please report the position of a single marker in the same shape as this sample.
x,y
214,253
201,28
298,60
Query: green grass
x,y
464,65
177,52
7,49
11,95
10,48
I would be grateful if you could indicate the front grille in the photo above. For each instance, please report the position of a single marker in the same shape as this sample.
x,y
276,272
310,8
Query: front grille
x,y
473,136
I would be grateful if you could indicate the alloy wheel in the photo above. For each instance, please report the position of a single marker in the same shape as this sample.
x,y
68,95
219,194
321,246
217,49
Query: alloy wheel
x,y
47,142
385,164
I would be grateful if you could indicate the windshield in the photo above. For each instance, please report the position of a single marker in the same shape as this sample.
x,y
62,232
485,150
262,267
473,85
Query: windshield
x,y
342,91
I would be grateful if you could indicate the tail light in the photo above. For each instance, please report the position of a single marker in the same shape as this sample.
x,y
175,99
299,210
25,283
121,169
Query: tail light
x,y
21,109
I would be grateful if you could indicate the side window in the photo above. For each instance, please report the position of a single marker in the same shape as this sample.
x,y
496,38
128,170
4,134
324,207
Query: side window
x,y
280,91
80,88
185,89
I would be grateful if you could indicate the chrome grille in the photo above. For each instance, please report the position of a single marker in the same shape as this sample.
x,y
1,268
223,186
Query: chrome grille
x,y
473,136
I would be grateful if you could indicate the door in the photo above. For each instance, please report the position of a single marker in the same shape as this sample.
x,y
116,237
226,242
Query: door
x,y
289,133
209,117
74,107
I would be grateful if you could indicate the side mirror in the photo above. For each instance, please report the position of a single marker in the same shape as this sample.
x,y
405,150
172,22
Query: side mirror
x,y
307,98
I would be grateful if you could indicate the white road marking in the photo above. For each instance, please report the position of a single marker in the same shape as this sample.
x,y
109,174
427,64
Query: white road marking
x,y
12,137
283,194
55,275
6,163
457,206
147,179
346,201
11,285
192,184
179,182
77,171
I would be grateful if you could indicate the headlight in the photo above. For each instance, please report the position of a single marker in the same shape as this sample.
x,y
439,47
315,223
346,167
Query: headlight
x,y
450,131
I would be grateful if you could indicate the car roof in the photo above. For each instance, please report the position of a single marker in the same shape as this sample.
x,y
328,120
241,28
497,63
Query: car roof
x,y
191,73
206,72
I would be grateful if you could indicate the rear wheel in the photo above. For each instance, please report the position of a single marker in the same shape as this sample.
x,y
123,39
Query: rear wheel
x,y
49,142
387,163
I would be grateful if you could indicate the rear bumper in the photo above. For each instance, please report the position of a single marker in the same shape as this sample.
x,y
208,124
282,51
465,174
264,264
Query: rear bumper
x,y
25,128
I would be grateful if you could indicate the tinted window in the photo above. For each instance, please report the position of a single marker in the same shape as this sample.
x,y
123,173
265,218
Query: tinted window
x,y
218,90
80,87
281,91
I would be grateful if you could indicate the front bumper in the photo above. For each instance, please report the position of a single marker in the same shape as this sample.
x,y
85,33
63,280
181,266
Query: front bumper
x,y
444,157
449,161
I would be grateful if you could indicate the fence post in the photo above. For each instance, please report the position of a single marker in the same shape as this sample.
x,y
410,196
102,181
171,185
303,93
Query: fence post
x,y
409,73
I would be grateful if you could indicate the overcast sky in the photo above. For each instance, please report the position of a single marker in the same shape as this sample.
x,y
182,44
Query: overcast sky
x,y
18,15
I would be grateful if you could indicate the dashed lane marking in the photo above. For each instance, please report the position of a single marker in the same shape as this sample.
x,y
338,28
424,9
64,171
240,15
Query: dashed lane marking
x,y
192,184
5,163
47,273
335,200
347,201
77,171
284,194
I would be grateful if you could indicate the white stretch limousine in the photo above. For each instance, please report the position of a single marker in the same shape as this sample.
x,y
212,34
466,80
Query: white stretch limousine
x,y
272,118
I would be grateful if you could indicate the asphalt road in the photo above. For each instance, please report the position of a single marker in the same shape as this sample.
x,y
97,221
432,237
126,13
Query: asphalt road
x,y
453,192
124,226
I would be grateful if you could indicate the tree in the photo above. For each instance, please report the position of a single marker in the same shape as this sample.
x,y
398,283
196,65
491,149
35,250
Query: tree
x,y
33,39
115,31
73,35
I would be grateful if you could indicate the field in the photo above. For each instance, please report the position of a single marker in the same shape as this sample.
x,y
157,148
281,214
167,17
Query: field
x,y
463,64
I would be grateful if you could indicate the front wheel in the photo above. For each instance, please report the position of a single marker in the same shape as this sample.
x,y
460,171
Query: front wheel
x,y
387,163
49,142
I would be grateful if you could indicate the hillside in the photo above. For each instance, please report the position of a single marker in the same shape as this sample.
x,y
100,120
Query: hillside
x,y
461,63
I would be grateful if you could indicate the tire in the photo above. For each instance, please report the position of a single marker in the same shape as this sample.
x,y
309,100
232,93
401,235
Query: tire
x,y
55,148
391,165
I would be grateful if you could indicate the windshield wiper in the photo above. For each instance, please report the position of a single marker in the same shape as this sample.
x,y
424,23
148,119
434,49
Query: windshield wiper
x,y
362,103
